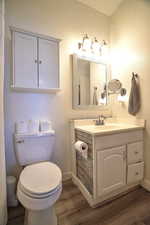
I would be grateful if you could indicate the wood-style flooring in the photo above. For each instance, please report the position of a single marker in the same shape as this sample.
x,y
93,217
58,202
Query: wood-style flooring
x,y
72,209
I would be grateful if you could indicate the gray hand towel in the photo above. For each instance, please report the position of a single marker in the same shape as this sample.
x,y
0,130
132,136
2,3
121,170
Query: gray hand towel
x,y
134,99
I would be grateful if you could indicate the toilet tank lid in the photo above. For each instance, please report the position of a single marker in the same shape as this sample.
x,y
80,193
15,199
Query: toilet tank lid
x,y
39,134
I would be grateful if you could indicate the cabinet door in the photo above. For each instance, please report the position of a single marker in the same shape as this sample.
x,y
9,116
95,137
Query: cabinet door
x,y
48,64
25,60
111,169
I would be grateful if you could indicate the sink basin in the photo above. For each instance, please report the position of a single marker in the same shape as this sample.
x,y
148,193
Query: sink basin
x,y
103,127
107,128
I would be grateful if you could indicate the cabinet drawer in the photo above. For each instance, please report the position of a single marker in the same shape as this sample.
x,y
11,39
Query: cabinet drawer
x,y
135,172
135,152
109,141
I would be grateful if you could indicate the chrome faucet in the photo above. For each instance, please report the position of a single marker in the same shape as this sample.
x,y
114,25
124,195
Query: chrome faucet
x,y
100,121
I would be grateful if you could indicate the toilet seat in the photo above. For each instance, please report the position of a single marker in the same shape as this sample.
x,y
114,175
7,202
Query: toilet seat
x,y
39,196
40,180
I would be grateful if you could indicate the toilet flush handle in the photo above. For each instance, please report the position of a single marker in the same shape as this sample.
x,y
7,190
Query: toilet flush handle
x,y
20,141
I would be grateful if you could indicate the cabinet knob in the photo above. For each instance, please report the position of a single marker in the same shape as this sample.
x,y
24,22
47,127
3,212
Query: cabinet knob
x,y
136,173
40,62
136,152
35,61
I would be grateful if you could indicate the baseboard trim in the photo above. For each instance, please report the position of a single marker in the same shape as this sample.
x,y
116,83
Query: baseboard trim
x,y
67,176
146,184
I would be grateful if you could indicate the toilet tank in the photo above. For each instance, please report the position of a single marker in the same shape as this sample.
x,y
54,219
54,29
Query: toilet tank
x,y
33,148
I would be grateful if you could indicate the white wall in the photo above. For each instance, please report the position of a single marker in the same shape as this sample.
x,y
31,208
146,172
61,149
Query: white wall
x,y
67,20
130,41
3,209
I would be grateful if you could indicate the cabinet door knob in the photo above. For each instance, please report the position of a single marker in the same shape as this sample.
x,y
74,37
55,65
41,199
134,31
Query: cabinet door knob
x,y
35,61
136,152
40,62
136,173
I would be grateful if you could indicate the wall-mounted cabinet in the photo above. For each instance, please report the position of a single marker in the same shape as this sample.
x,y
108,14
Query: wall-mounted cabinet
x,y
35,62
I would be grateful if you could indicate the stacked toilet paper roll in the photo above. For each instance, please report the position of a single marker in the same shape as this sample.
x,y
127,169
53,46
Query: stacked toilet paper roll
x,y
33,126
21,127
45,125
11,191
82,148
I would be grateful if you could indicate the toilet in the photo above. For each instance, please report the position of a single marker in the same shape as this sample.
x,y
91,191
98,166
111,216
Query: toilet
x,y
40,182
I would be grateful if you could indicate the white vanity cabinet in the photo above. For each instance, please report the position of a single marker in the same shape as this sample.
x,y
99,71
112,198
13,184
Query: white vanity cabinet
x,y
114,165
35,62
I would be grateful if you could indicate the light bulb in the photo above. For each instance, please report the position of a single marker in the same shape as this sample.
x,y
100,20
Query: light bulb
x,y
104,49
96,47
86,46
122,98
103,101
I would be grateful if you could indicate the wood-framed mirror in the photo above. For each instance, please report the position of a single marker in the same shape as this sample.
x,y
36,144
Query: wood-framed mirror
x,y
90,79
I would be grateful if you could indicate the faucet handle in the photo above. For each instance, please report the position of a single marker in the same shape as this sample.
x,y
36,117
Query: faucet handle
x,y
101,117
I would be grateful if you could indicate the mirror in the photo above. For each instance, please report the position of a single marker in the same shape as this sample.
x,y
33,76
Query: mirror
x,y
89,83
115,87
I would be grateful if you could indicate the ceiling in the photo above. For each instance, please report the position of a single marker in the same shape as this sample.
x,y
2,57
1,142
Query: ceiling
x,y
107,7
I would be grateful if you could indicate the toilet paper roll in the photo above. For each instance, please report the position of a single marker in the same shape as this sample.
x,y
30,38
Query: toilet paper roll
x,y
21,127
11,191
82,148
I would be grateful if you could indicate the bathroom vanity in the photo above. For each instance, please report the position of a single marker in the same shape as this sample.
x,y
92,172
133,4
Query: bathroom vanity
x,y
115,163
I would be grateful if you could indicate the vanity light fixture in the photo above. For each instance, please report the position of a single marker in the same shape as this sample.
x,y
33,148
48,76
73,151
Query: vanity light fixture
x,y
93,47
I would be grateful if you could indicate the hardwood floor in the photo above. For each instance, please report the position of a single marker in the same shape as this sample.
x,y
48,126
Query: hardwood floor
x,y
16,216
72,209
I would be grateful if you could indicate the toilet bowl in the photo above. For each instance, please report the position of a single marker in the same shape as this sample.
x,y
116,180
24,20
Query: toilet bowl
x,y
39,187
